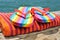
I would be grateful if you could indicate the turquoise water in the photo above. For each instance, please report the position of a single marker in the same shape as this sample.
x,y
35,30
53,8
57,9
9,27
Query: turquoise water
x,y
10,5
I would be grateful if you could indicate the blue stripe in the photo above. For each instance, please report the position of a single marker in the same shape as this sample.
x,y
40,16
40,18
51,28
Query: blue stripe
x,y
25,10
12,16
51,16
43,18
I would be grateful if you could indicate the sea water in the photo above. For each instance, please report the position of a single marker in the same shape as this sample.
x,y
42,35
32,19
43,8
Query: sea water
x,y
10,5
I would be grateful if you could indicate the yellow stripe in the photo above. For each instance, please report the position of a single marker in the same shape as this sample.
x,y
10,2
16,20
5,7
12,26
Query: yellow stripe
x,y
20,8
52,14
30,20
15,18
47,18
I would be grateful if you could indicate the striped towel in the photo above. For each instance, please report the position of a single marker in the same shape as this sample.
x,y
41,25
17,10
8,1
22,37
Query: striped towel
x,y
8,29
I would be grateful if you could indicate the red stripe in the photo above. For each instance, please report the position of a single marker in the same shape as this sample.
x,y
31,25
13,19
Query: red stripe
x,y
20,30
27,30
44,26
52,24
16,31
23,31
48,25
56,22
8,16
34,27
38,27
59,20
41,26
8,24
31,29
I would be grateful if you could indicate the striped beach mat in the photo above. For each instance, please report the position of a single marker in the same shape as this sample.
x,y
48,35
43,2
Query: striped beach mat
x,y
8,29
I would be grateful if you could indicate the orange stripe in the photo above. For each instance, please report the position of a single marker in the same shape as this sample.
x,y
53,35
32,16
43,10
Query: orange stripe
x,y
48,25
5,27
41,26
44,26
12,27
31,29
27,30
38,27
18,30
55,21
52,24
58,20
35,27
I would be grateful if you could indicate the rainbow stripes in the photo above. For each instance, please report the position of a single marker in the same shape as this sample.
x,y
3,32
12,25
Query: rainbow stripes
x,y
20,21
48,17
24,9
26,19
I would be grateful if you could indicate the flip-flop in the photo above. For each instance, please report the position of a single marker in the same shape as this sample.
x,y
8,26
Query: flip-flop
x,y
22,20
43,15
18,18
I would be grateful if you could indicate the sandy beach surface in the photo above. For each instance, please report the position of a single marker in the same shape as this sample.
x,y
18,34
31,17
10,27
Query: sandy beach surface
x,y
49,34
